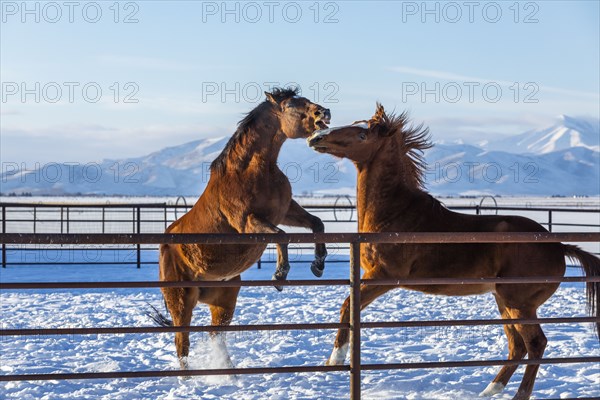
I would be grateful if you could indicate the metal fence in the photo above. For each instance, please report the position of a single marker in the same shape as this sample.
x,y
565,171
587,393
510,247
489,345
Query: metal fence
x,y
355,325
338,215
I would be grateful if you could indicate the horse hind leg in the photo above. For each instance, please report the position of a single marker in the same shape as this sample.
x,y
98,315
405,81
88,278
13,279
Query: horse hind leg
x,y
535,342
221,302
516,351
180,303
220,353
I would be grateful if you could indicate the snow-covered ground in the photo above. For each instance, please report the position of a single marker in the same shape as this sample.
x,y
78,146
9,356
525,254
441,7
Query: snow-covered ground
x,y
127,307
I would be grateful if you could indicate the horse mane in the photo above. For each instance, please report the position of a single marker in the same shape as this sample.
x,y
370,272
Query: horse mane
x,y
279,94
413,140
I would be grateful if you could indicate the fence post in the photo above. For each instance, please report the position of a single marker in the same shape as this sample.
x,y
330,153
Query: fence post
x,y
550,220
355,321
103,219
68,228
34,218
165,216
3,231
61,220
139,229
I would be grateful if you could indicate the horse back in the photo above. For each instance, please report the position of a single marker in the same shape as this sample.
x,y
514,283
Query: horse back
x,y
464,260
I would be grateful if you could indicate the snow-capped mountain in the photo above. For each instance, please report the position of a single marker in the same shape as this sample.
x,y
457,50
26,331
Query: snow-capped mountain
x,y
561,160
465,170
568,132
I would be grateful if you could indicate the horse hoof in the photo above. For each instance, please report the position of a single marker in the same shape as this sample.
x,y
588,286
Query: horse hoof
x,y
317,267
522,396
278,277
492,389
184,363
338,355
331,362
318,272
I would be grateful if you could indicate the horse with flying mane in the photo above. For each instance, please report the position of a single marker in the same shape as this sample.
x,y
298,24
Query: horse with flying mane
x,y
246,193
387,153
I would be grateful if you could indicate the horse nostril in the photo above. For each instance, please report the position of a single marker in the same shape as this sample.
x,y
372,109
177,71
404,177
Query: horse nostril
x,y
316,139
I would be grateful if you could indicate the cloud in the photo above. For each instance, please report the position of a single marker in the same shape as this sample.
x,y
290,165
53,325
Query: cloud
x,y
94,142
450,76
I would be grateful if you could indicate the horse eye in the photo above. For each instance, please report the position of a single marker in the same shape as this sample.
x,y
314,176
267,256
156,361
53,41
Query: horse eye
x,y
362,136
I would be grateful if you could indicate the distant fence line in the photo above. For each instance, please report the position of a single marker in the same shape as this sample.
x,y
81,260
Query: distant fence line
x,y
145,218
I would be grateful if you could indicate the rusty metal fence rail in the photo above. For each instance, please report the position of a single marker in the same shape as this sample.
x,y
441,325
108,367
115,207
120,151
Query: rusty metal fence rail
x,y
355,325
141,218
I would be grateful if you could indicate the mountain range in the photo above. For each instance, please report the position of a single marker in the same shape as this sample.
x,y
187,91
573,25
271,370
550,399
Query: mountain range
x,y
562,159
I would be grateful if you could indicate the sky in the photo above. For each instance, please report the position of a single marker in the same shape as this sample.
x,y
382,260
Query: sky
x,y
86,81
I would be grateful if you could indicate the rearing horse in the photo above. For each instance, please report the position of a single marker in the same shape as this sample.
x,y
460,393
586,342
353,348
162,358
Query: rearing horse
x,y
246,193
390,198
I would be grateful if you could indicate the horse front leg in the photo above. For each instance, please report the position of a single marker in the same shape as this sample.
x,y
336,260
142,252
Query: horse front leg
x,y
298,216
368,293
283,265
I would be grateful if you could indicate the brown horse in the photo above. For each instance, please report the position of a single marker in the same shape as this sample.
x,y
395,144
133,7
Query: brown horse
x,y
246,193
390,197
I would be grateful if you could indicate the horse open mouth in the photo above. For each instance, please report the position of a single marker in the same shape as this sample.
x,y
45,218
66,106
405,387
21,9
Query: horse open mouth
x,y
322,123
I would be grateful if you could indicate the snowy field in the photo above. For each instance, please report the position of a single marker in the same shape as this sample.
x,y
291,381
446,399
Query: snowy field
x,y
137,352
126,307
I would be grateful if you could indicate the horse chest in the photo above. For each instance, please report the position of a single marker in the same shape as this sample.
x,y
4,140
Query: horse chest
x,y
272,198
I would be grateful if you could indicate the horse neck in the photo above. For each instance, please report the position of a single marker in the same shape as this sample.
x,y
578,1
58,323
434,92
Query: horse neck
x,y
259,145
385,183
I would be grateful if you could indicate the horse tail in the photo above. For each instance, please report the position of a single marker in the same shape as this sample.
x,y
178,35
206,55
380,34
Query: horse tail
x,y
155,315
591,266
159,318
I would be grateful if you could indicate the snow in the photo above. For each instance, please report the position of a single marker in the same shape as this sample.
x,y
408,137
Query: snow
x,y
568,132
137,352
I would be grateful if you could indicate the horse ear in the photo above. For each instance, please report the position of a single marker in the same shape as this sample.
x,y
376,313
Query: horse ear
x,y
377,122
270,98
379,111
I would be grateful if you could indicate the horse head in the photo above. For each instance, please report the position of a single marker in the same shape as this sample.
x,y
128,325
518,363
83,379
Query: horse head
x,y
362,140
298,116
